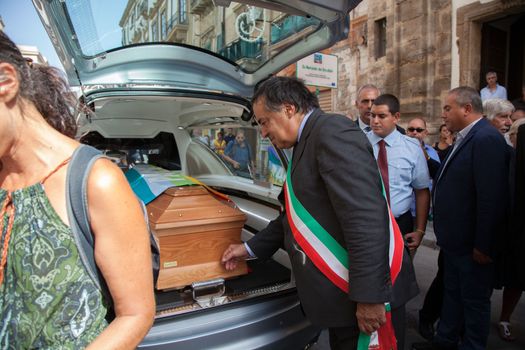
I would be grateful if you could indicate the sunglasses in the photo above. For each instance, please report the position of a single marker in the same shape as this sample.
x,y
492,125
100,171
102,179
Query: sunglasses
x,y
415,129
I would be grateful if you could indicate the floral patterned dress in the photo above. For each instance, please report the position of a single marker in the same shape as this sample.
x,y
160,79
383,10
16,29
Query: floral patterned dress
x,y
47,299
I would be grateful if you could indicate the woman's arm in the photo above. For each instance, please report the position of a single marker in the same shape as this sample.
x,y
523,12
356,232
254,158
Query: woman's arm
x,y
122,252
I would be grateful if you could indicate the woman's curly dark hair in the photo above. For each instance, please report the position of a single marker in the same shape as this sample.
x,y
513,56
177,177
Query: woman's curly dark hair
x,y
44,86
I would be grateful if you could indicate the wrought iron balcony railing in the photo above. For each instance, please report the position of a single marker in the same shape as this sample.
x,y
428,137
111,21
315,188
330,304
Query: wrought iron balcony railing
x,y
288,26
177,18
240,49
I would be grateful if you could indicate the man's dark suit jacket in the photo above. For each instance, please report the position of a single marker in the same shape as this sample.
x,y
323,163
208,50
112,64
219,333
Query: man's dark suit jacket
x,y
335,177
471,193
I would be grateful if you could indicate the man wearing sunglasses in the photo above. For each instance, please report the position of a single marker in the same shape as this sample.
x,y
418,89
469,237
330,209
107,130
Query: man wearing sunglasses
x,y
417,128
429,313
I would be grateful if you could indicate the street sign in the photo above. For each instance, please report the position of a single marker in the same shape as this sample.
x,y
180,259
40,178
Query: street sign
x,y
318,70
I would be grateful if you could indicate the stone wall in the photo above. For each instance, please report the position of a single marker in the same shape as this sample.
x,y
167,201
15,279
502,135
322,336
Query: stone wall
x,y
417,64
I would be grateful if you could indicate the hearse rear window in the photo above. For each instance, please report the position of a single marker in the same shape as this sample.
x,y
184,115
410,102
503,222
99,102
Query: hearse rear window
x,y
160,151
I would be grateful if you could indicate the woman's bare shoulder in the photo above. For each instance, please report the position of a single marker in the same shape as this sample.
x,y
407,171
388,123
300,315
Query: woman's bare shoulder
x,y
107,182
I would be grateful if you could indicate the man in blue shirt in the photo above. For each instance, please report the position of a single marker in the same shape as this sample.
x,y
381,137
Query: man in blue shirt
x,y
403,168
493,89
407,168
238,154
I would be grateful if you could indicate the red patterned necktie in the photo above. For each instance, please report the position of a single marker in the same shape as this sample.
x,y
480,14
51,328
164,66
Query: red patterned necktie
x,y
382,162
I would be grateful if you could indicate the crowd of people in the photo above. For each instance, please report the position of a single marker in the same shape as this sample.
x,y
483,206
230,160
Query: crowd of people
x,y
469,182
487,220
356,203
233,148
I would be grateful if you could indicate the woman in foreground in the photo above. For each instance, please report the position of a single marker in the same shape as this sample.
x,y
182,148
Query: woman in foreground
x,y
47,298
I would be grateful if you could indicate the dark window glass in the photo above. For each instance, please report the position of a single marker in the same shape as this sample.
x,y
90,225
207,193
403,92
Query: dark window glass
x,y
380,38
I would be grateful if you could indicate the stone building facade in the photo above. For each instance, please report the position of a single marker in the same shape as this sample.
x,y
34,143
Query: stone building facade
x,y
419,49
403,47
33,53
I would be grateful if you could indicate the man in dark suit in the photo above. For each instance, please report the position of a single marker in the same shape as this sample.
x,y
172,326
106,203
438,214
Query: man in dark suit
x,y
470,199
335,178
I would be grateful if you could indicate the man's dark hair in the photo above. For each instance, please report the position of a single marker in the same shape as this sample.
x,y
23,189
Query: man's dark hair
x,y
466,95
390,100
277,91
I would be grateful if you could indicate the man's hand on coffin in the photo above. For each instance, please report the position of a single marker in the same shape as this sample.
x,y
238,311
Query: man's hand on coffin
x,y
233,254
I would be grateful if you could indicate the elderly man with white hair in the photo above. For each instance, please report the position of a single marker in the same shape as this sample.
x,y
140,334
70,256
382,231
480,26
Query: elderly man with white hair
x,y
499,111
513,285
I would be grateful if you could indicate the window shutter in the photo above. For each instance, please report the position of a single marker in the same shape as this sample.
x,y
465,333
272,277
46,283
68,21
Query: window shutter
x,y
325,100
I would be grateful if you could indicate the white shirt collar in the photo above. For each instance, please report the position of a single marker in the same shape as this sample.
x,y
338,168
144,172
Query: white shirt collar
x,y
464,132
362,125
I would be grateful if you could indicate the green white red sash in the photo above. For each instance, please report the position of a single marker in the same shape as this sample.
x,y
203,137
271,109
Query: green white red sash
x,y
332,259
382,339
323,250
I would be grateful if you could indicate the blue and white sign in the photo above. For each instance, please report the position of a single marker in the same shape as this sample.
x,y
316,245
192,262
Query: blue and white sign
x,y
318,70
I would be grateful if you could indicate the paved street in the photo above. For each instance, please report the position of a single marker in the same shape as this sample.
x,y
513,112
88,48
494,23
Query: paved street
x,y
426,266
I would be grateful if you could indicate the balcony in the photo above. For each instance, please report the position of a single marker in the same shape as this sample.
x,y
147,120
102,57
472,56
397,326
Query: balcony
x,y
289,26
200,7
136,30
243,52
178,27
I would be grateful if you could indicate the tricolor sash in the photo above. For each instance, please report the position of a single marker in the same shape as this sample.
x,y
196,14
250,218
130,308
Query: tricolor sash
x,y
332,259
323,250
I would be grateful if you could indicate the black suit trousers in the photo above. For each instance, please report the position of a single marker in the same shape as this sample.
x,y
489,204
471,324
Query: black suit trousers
x,y
343,338
431,309
466,303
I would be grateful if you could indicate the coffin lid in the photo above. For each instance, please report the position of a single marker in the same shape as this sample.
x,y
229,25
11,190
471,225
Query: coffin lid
x,y
191,205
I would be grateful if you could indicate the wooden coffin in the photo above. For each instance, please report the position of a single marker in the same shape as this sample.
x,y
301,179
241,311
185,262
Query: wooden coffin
x,y
193,229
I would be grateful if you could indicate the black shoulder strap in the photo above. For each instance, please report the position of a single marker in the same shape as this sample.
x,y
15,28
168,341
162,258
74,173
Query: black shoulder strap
x,y
78,171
